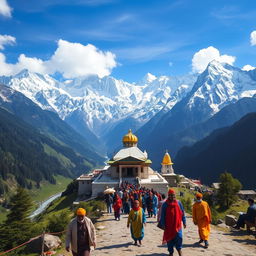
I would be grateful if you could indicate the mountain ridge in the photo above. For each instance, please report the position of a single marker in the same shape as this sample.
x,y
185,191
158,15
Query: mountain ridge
x,y
227,149
47,122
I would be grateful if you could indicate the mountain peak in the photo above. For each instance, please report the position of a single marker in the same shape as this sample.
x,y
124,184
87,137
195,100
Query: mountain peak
x,y
149,78
216,65
23,73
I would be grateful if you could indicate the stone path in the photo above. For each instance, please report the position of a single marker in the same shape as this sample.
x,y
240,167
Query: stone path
x,y
114,239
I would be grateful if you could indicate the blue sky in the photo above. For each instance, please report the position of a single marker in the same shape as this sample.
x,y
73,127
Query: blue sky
x,y
125,38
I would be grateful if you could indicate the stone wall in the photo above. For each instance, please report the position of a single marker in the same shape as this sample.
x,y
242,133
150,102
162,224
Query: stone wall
x,y
84,187
171,179
160,188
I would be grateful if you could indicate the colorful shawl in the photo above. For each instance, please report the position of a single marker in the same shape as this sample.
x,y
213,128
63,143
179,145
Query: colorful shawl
x,y
173,219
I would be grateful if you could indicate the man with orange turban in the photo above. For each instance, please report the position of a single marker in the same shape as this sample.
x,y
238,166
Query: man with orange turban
x,y
81,234
202,218
172,215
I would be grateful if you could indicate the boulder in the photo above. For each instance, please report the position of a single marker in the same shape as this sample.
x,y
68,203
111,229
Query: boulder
x,y
222,225
50,243
230,220
101,227
220,221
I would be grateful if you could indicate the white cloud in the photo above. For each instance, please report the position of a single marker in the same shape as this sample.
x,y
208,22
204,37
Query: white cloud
x,y
5,69
70,59
248,68
5,9
5,39
201,58
74,59
253,38
32,64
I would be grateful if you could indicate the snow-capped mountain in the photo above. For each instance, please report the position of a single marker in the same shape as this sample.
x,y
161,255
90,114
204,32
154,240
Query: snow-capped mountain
x,y
107,105
101,102
221,84
218,86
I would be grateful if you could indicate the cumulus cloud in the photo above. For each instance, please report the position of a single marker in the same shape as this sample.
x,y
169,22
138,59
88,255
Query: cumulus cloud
x,y
74,59
5,9
201,58
69,59
5,69
5,39
248,68
253,38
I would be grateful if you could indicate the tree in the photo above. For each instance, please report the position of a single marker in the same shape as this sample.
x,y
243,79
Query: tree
x,y
58,222
18,227
229,186
177,179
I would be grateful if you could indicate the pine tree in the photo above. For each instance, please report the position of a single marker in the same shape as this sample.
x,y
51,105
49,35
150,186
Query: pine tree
x,y
18,226
229,186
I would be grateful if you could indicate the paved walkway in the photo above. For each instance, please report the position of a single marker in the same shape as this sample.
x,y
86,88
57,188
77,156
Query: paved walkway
x,y
115,240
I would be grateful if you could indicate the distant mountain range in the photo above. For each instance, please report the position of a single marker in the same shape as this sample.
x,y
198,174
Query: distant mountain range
x,y
68,152
164,112
102,106
230,149
218,86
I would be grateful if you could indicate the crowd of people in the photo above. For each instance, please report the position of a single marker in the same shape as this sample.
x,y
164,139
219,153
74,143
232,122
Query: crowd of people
x,y
138,202
122,201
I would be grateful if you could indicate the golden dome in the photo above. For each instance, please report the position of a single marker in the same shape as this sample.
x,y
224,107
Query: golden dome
x,y
167,159
130,138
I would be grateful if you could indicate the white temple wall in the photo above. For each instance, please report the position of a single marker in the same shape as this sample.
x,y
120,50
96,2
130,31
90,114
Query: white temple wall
x,y
100,187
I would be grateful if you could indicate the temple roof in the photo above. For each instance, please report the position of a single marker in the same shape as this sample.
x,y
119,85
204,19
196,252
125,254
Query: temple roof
x,y
134,152
167,159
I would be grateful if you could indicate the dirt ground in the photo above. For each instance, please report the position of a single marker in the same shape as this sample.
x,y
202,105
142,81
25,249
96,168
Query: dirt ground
x,y
113,238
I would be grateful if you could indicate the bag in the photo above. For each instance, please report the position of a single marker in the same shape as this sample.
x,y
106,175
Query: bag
x,y
160,226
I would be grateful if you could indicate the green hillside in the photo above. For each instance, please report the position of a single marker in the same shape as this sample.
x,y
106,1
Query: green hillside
x,y
27,157
229,149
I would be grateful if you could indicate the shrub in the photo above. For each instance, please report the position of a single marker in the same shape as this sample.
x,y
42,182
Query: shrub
x,y
58,222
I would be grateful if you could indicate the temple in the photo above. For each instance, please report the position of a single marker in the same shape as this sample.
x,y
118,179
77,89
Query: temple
x,y
167,170
128,164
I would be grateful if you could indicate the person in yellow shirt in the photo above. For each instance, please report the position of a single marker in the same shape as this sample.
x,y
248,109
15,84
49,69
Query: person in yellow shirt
x,y
202,218
137,220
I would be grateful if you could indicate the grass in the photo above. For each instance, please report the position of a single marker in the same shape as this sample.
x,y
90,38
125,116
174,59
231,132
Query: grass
x,y
187,193
46,190
3,213
239,206
63,160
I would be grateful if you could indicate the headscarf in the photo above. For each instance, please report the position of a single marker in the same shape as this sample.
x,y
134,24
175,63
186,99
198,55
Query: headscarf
x,y
81,212
171,191
199,195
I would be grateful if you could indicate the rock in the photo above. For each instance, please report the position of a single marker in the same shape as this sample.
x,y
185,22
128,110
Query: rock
x,y
222,225
230,220
50,242
101,227
220,221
